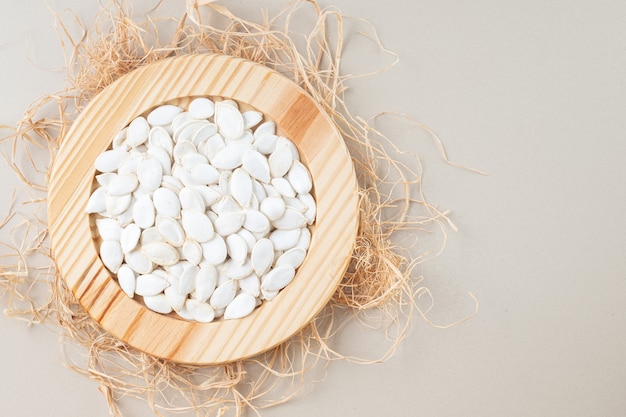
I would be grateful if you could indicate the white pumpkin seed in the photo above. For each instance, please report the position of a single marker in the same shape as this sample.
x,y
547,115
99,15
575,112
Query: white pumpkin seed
x,y
231,103
119,140
158,303
204,174
188,279
178,268
142,191
259,191
256,222
246,137
265,144
237,248
230,156
126,278
241,306
241,187
122,184
173,294
305,239
278,278
299,177
226,205
262,255
214,251
97,201
160,253
201,108
190,160
209,195
311,208
293,257
283,141
117,204
224,183
256,165
150,173
280,161
283,187
163,115
149,235
264,129
206,280
291,219
163,157
150,284
129,237
202,135
111,255
130,163
229,120
229,223
213,146
171,230
139,262
144,212
295,204
221,277
187,132
251,118
197,225
184,314
105,179
166,202
192,251
235,270
249,238
180,119
159,137
172,183
109,161
223,294
268,295
126,217
250,284
137,132
200,311
285,239
181,149
273,207
184,173
109,229
270,190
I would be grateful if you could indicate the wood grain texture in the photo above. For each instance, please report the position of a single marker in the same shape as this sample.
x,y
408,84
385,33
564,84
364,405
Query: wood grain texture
x,y
297,117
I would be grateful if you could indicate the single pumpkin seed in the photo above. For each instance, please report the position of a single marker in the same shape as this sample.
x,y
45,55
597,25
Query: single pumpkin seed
x,y
278,278
160,253
166,202
158,303
241,306
111,255
127,280
163,115
200,311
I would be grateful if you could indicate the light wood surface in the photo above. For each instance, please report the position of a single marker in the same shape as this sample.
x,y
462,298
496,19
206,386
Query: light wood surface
x,y
297,117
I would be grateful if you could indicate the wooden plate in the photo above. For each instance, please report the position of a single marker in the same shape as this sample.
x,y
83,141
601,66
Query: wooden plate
x,y
297,117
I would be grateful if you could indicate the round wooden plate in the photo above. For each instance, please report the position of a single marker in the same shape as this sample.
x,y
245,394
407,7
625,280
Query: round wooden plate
x,y
297,117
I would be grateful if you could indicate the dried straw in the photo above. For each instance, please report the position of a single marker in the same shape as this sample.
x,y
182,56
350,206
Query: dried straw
x,y
381,285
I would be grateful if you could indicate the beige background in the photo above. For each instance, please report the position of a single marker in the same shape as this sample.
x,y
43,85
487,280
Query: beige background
x,y
532,92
